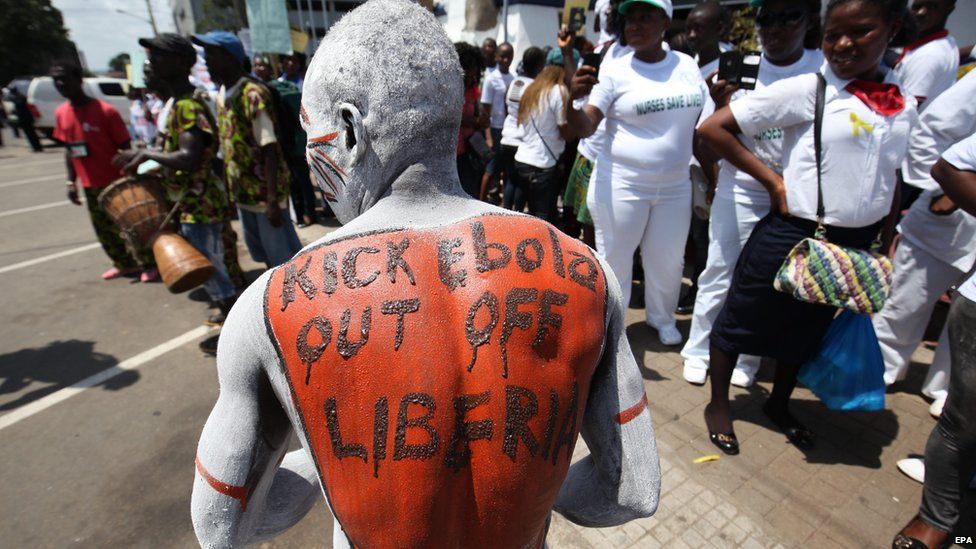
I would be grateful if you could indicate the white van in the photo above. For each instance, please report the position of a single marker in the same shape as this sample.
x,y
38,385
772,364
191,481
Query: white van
x,y
43,98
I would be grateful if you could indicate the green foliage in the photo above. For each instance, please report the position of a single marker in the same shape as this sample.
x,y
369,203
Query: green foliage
x,y
32,35
743,30
119,62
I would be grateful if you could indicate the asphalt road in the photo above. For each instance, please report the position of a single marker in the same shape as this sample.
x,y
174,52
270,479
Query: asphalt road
x,y
104,461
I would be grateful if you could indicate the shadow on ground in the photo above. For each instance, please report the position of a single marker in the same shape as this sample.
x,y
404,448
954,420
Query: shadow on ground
x,y
57,365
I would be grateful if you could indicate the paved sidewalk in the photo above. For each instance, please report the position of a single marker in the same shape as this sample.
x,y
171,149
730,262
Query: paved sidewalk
x,y
847,492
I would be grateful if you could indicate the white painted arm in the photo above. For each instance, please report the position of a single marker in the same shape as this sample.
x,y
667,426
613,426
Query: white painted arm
x,y
240,495
621,478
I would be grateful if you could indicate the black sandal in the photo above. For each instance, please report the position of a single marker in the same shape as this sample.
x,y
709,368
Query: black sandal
x,y
902,541
795,432
726,442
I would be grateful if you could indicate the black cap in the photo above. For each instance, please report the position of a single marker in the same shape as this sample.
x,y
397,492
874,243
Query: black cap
x,y
170,43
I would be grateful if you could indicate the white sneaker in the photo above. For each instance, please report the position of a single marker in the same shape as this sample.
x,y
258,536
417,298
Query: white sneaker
x,y
914,468
669,335
742,379
694,374
936,408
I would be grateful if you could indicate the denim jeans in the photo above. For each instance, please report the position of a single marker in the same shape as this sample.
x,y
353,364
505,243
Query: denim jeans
x,y
206,238
950,454
266,244
541,189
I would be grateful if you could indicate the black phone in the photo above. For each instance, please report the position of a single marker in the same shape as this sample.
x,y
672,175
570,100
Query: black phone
x,y
740,68
592,59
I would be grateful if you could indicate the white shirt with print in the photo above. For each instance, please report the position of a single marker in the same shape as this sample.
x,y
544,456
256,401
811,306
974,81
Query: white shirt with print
x,y
861,149
929,70
737,185
651,111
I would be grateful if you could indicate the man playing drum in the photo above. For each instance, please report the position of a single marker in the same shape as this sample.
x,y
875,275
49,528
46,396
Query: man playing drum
x,y
437,356
187,152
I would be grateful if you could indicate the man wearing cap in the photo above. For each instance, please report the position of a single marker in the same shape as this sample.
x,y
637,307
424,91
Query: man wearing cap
x,y
188,148
255,167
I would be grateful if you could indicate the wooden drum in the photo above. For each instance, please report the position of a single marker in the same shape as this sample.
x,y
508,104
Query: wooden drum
x,y
136,204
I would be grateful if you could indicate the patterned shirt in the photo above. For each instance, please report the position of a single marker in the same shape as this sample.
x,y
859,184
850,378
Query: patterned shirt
x,y
243,160
204,199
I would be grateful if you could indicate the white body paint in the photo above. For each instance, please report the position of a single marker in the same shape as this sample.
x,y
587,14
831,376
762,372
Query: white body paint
x,y
388,80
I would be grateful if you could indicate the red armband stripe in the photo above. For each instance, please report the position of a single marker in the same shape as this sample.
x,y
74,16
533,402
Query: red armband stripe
x,y
630,413
237,492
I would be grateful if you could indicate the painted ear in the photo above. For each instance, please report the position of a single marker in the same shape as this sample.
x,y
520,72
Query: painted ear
x,y
354,131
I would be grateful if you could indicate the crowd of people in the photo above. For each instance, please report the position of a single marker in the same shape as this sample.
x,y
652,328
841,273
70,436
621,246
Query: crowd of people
x,y
652,118
638,147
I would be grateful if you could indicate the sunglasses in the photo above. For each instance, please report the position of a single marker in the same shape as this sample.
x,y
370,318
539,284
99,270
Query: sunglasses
x,y
787,17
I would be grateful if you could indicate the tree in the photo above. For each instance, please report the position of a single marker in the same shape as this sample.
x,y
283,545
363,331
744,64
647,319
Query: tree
x,y
218,15
119,62
32,35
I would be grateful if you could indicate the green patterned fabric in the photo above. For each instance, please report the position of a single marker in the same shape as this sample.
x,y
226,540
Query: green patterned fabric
x,y
110,238
204,199
576,188
243,161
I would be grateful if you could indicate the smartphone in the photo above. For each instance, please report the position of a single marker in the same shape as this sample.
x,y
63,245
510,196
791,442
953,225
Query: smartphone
x,y
592,59
739,68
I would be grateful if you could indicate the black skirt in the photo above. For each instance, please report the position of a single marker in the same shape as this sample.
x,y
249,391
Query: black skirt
x,y
757,319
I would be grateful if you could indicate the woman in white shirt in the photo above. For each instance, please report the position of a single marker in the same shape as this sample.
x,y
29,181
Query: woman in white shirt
x,y
542,123
740,201
640,191
950,454
866,122
513,196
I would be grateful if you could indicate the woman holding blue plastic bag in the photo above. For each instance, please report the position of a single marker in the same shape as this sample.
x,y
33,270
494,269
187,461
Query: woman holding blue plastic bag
x,y
950,454
851,190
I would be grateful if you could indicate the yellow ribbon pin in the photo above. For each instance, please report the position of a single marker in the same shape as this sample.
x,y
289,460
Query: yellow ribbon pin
x,y
858,124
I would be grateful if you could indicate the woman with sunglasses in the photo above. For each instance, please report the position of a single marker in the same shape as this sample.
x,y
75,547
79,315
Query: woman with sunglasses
x,y
640,191
786,29
865,129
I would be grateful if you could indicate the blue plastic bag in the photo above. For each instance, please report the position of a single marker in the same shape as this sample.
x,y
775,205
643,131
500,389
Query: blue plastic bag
x,y
848,372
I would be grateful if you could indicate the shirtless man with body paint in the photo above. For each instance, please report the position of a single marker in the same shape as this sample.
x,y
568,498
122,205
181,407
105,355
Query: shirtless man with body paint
x,y
437,356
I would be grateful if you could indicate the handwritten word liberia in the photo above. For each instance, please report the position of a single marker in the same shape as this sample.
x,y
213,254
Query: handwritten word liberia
x,y
416,413
668,103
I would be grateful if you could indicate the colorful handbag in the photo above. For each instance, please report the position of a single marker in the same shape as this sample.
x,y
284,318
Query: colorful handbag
x,y
817,271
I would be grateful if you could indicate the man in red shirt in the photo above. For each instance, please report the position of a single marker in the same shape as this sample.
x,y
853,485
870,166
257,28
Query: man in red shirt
x,y
93,132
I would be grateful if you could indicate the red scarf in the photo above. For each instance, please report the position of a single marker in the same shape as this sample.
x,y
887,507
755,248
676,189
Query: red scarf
x,y
884,99
921,42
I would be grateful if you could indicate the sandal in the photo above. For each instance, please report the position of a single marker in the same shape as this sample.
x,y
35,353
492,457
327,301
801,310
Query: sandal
x,y
726,442
902,541
795,432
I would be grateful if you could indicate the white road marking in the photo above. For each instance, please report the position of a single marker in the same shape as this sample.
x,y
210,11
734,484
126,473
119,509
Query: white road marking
x,y
31,180
28,410
35,208
49,257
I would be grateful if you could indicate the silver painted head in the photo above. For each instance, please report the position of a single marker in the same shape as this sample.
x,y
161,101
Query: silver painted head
x,y
383,92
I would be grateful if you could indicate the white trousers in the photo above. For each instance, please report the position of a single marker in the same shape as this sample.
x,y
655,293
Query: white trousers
x,y
919,279
657,221
729,227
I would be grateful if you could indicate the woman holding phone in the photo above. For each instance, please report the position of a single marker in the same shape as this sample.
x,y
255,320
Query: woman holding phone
x,y
786,28
866,122
640,191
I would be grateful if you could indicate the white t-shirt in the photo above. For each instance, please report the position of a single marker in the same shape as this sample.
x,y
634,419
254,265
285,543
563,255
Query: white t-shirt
x,y
707,68
493,93
945,120
541,142
767,145
861,149
651,111
962,156
926,71
590,146
511,132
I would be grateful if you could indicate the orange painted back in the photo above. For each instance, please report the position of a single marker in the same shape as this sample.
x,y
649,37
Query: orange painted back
x,y
441,375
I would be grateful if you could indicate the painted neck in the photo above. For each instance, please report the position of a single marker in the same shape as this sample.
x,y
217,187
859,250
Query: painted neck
x,y
430,177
